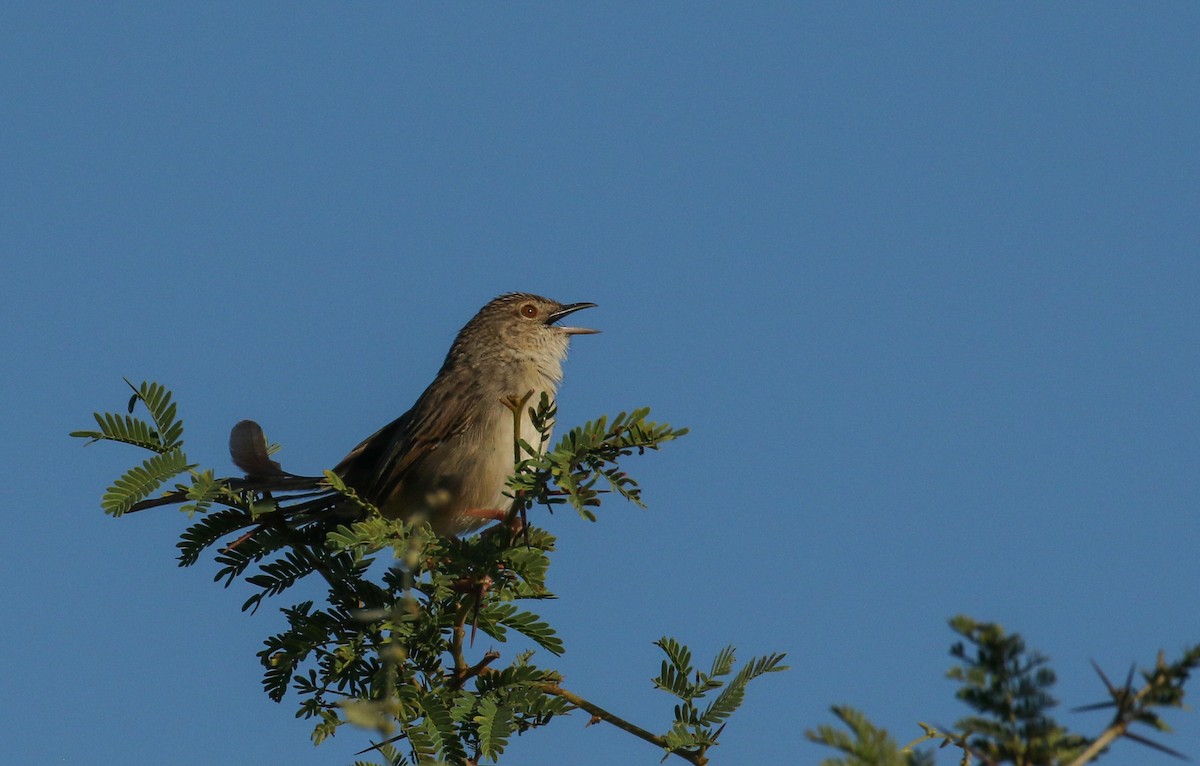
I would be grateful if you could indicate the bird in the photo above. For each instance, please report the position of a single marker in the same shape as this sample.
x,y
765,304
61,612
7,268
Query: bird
x,y
448,458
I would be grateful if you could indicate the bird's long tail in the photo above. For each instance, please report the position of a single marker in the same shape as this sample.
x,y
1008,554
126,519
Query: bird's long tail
x,y
299,498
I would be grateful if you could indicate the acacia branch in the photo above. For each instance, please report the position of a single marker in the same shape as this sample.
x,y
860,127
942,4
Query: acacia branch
x,y
600,714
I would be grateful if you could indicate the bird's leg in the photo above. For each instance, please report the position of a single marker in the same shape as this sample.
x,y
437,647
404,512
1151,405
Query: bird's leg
x,y
488,514
513,524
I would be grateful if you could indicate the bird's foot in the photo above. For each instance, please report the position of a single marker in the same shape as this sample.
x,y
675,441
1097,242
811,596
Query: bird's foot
x,y
507,522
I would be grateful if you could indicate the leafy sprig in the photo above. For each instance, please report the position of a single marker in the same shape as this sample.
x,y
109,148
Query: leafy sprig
x,y
864,743
694,730
586,460
163,436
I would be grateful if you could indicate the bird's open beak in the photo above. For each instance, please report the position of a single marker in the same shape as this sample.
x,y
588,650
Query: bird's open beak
x,y
571,308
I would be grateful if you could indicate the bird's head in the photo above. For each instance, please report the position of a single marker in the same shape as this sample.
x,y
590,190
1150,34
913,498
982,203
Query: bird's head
x,y
520,327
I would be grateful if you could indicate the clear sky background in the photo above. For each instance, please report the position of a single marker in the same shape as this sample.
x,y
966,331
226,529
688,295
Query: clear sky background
x,y
922,278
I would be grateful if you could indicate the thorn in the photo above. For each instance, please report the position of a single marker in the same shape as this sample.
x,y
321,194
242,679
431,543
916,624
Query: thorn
x,y
1107,684
229,548
378,745
1154,745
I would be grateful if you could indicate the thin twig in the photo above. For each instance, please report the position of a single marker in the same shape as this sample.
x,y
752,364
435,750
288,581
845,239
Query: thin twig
x,y
599,713
459,678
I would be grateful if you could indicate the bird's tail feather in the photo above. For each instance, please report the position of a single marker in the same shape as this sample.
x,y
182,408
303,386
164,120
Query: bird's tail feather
x,y
299,498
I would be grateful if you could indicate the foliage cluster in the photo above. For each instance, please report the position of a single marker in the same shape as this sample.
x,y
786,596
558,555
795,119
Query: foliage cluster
x,y
1008,688
391,647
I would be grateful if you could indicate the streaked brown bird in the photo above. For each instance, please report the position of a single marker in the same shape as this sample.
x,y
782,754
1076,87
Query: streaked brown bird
x,y
446,460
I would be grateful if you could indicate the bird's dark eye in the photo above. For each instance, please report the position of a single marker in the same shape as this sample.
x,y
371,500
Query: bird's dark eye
x,y
529,311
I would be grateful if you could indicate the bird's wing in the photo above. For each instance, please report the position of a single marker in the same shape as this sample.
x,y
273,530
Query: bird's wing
x,y
377,466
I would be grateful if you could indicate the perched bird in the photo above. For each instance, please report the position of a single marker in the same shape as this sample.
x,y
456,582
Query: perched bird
x,y
448,458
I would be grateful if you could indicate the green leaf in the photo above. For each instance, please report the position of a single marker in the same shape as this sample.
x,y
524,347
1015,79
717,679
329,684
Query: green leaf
x,y
865,743
140,481
731,697
210,529
439,725
206,489
263,542
678,654
162,410
339,485
123,428
723,662
495,723
276,577
528,624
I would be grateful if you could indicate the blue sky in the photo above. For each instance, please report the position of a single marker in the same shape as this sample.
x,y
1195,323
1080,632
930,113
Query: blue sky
x,y
921,278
